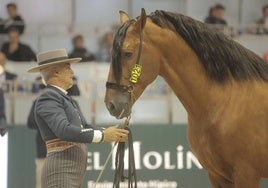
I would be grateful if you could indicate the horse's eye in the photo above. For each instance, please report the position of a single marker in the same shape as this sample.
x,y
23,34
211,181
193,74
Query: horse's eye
x,y
127,54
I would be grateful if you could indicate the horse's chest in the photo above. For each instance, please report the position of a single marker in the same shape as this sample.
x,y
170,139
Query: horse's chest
x,y
204,145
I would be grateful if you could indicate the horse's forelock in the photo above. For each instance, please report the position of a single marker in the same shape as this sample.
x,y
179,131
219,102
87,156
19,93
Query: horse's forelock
x,y
116,51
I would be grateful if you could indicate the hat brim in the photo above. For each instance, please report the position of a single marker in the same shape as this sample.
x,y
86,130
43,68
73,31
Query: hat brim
x,y
39,67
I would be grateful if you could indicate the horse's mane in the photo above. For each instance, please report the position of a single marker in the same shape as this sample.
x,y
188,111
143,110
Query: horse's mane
x,y
220,56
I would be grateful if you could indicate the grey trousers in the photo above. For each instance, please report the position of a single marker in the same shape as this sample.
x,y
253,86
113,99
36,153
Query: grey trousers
x,y
65,169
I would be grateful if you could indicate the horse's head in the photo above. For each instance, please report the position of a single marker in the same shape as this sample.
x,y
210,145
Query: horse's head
x,y
134,65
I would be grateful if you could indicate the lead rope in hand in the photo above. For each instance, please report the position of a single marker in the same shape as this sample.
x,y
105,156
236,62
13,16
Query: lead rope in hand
x,y
126,123
119,164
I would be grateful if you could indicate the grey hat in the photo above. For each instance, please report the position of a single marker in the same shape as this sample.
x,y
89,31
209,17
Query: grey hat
x,y
52,57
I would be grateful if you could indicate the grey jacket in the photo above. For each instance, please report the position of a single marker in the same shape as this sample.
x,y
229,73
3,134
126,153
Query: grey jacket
x,y
58,117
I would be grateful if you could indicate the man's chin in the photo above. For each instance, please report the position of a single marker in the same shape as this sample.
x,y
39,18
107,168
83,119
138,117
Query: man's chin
x,y
70,86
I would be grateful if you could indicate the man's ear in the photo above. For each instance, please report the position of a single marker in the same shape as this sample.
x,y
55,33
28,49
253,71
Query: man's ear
x,y
141,21
123,17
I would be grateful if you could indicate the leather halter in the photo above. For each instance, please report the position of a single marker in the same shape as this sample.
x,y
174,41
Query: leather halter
x,y
128,88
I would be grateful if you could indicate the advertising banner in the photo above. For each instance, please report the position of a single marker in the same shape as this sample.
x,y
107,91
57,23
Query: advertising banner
x,y
162,154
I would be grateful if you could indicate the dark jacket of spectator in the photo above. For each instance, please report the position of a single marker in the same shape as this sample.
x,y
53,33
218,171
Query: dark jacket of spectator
x,y
22,53
3,123
10,76
213,20
82,53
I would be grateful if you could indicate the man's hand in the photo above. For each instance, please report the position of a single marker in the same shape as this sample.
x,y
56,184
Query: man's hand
x,y
114,133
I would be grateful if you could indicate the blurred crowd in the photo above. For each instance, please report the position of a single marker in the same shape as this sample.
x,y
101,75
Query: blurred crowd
x,y
12,49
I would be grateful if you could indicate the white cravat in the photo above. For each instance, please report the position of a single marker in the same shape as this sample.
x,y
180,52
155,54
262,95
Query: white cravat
x,y
64,91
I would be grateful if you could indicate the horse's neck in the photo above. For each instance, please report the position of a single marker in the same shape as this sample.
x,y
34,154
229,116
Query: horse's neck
x,y
201,97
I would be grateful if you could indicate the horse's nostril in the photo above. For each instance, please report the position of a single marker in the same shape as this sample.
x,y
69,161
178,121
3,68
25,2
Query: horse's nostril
x,y
110,106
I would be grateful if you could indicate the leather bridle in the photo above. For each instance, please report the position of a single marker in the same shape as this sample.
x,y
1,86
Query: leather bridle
x,y
135,74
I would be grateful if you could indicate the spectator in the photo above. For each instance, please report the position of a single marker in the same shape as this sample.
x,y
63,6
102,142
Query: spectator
x,y
262,23
105,47
79,49
15,50
264,18
3,123
14,20
216,15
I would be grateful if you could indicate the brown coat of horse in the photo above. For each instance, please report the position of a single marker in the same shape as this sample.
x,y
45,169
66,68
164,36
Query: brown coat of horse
x,y
227,116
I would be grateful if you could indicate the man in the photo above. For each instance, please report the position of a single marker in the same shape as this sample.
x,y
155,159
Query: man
x,y
63,126
264,18
14,19
79,49
15,50
3,123
216,15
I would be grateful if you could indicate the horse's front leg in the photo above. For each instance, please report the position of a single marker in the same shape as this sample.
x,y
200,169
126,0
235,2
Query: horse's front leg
x,y
219,182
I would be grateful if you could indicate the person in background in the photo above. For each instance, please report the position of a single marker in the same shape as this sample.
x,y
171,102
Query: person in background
x,y
264,18
105,47
14,20
3,123
15,50
79,49
216,14
262,23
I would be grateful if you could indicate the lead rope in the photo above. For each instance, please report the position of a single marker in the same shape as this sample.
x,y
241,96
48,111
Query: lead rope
x,y
119,164
125,126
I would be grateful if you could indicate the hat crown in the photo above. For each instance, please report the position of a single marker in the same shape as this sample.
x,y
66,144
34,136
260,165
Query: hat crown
x,y
50,56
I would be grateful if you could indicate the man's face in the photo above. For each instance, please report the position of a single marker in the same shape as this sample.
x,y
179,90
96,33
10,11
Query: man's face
x,y
12,12
65,75
14,37
218,13
79,43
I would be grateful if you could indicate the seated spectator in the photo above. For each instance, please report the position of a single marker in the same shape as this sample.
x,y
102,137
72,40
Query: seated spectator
x,y
216,15
264,18
262,27
105,46
39,85
14,19
3,123
15,50
79,49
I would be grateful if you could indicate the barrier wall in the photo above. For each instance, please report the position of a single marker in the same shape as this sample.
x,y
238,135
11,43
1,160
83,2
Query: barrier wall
x,y
162,154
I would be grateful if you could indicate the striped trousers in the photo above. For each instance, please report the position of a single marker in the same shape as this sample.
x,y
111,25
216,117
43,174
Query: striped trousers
x,y
65,169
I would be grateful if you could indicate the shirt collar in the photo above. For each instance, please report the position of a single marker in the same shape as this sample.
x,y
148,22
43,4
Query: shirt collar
x,y
64,91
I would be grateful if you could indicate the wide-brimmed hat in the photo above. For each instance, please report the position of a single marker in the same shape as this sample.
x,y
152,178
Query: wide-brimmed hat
x,y
52,57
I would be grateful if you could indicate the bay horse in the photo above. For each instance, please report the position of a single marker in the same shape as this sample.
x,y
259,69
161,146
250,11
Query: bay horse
x,y
222,85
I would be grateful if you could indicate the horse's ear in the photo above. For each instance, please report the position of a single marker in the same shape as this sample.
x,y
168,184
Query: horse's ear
x,y
123,17
141,21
